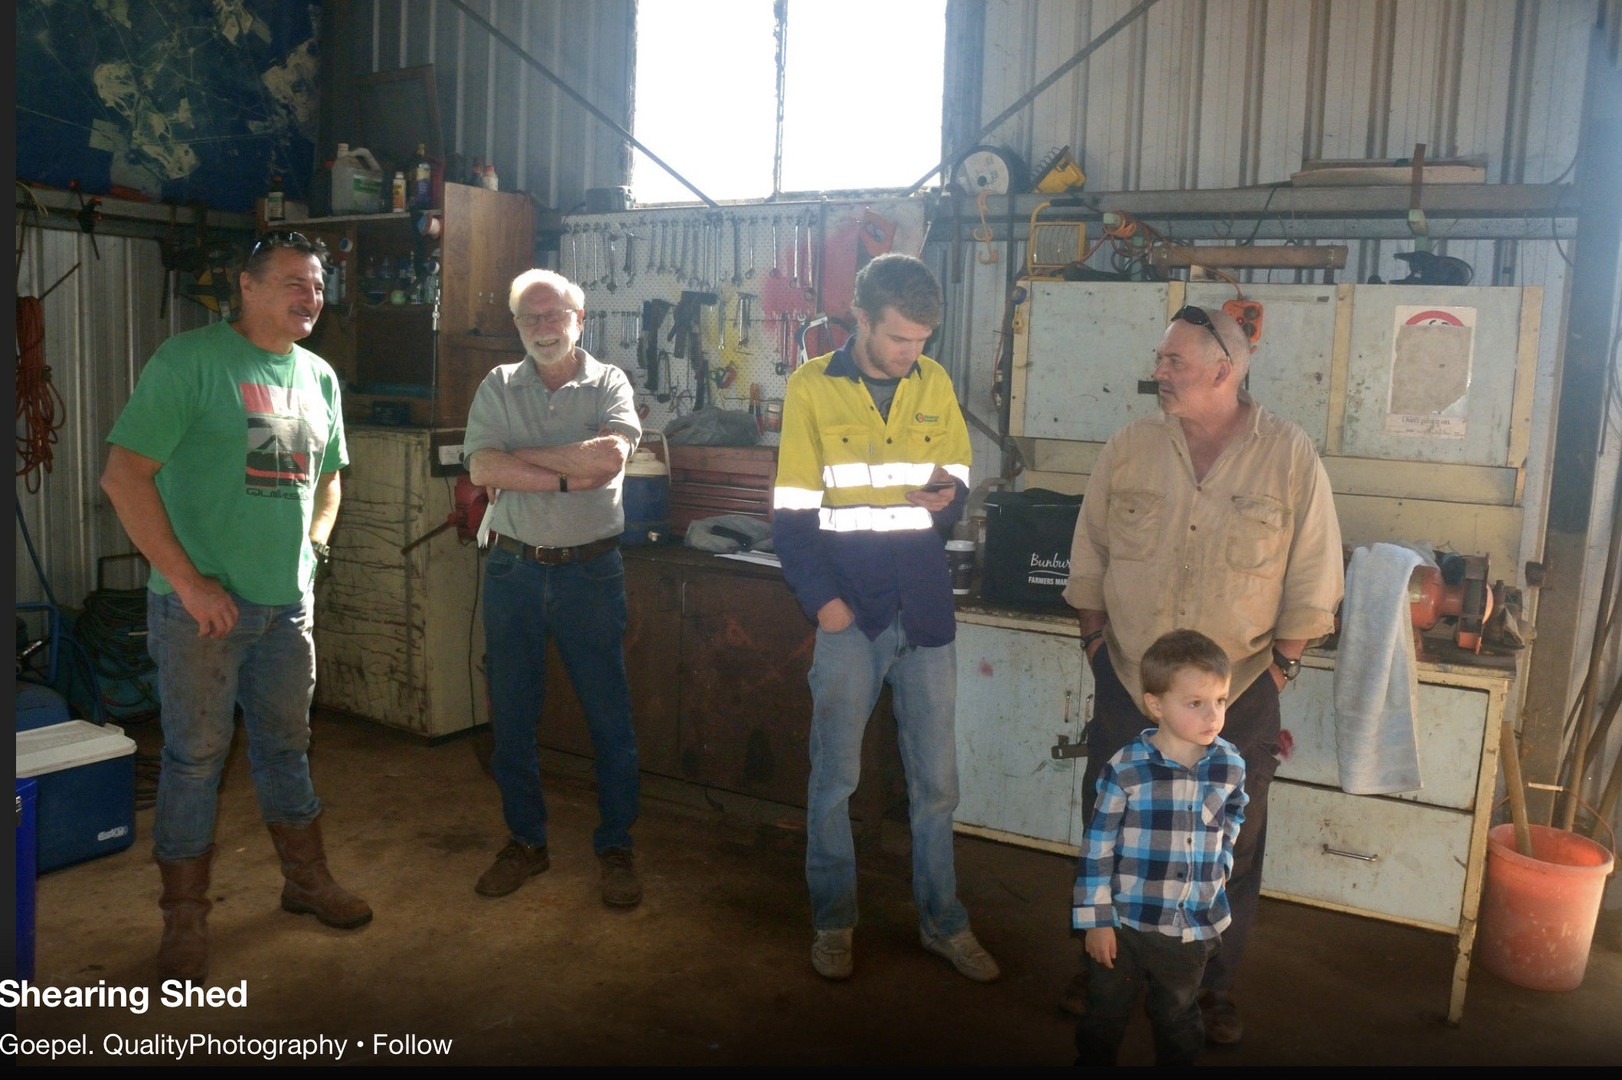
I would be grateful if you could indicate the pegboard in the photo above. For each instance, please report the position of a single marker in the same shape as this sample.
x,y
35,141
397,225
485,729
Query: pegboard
x,y
767,287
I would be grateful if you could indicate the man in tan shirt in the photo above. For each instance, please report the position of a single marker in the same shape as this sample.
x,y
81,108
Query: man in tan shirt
x,y
1214,516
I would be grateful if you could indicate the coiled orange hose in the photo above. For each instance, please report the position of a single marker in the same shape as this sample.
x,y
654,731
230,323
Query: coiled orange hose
x,y
40,409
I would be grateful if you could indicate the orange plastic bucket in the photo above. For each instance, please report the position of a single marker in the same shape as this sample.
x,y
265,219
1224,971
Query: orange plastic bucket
x,y
1538,914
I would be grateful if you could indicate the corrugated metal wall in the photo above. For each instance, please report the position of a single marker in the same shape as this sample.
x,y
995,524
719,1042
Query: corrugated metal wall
x,y
101,324
1225,93
492,105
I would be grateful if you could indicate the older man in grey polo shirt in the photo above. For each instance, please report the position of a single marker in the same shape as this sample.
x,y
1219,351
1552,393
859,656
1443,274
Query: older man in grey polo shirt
x,y
551,435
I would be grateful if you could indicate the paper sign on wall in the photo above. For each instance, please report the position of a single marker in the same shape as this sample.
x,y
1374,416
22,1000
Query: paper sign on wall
x,y
1431,353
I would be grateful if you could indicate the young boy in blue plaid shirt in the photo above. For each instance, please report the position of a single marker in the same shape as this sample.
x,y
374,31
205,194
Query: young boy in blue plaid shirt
x,y
1150,880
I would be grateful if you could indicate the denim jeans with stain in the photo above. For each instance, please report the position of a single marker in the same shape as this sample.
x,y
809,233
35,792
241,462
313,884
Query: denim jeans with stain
x,y
266,664
847,672
581,607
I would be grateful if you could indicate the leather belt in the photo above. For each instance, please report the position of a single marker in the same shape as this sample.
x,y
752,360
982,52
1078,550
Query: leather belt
x,y
552,556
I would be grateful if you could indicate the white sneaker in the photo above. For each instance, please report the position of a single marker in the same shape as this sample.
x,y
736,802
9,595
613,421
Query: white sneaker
x,y
831,954
965,953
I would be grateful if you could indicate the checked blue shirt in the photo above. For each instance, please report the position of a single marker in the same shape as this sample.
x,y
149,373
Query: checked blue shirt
x,y
1159,848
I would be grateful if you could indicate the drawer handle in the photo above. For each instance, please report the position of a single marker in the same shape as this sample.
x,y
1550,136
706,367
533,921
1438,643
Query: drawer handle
x,y
1327,850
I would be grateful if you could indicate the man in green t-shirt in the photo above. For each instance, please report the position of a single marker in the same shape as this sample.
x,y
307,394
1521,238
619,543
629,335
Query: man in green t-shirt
x,y
224,472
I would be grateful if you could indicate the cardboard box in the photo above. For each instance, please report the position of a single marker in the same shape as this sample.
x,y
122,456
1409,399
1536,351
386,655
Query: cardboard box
x,y
86,778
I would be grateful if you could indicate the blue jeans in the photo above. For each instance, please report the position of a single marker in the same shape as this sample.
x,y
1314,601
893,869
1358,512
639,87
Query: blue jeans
x,y
266,664
581,606
847,673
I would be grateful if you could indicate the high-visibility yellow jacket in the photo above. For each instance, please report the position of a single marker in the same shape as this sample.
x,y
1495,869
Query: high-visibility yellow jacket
x,y
842,525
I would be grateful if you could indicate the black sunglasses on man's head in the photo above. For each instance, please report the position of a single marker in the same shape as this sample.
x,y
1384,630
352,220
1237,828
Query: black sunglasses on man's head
x,y
1198,317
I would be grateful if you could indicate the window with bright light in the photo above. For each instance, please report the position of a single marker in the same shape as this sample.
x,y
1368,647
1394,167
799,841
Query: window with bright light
x,y
862,93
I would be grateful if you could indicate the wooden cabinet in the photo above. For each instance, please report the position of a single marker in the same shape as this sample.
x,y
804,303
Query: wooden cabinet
x,y
718,654
397,636
429,357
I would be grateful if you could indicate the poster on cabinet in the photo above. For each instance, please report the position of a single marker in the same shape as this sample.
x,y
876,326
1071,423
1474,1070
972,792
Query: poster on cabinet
x,y
1431,355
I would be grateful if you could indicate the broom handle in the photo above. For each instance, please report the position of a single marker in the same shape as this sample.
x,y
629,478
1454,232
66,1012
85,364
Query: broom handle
x,y
1510,751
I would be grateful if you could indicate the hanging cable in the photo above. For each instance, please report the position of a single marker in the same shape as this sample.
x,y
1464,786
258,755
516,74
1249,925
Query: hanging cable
x,y
983,234
40,409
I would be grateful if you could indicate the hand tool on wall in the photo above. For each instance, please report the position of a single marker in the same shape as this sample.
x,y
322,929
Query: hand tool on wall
x,y
745,302
612,259
751,271
654,313
688,332
630,261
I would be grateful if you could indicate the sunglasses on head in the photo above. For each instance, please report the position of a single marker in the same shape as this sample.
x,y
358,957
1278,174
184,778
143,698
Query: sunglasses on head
x,y
1198,317
281,239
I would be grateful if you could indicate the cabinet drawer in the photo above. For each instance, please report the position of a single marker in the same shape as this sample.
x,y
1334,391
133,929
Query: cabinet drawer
x,y
1414,872
1451,722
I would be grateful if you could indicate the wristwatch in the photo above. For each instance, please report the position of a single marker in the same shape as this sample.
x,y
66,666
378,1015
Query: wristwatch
x,y
323,552
1088,639
1290,668
563,483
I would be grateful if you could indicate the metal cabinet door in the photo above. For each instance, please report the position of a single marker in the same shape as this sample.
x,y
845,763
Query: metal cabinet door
x,y
1087,346
1018,692
1412,401
746,652
1290,371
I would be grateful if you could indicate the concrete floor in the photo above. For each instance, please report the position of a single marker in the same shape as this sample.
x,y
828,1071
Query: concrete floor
x,y
713,968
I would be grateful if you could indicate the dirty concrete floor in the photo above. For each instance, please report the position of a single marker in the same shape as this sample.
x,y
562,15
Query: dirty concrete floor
x,y
713,968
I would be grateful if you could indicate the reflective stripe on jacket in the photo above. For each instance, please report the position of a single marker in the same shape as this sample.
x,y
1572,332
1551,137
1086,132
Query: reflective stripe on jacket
x,y
842,524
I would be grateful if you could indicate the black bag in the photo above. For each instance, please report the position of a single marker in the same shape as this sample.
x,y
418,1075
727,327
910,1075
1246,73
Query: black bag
x,y
1027,557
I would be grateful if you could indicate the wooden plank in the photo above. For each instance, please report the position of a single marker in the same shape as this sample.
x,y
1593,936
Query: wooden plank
x,y
1339,364
1526,367
1263,256
1063,455
1494,531
1063,482
1475,864
1484,484
1019,365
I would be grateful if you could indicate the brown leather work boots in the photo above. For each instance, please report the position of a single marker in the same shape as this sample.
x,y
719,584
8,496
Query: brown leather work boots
x,y
310,889
183,953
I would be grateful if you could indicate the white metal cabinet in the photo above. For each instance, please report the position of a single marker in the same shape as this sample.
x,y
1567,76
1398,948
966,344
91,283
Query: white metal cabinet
x,y
1019,695
395,635
1414,858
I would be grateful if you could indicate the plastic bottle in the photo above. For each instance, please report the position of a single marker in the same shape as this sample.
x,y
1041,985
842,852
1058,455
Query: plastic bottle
x,y
357,182
275,204
398,203
422,180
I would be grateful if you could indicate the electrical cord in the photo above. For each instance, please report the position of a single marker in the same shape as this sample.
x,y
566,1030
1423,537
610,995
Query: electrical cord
x,y
40,409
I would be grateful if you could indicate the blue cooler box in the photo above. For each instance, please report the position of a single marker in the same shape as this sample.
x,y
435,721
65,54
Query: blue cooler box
x,y
27,793
86,778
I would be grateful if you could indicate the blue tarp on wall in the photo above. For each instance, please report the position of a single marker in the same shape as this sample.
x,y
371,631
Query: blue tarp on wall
x,y
177,99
